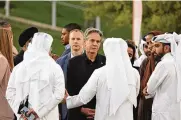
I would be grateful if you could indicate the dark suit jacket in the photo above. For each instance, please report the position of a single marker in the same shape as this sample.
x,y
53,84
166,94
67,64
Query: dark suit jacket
x,y
79,70
66,52
63,62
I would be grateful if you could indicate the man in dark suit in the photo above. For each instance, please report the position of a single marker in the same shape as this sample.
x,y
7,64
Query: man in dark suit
x,y
80,69
76,41
65,36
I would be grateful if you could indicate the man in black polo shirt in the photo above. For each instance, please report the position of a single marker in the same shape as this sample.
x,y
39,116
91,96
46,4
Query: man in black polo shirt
x,y
80,69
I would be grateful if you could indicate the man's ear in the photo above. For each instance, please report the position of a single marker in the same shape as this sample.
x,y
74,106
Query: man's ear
x,y
25,46
167,48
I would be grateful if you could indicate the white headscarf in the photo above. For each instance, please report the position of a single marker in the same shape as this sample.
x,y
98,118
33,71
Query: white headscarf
x,y
119,72
138,62
141,47
178,61
177,37
168,38
178,64
36,58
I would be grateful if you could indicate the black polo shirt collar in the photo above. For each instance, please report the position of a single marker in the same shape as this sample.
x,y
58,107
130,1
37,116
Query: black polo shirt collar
x,y
89,61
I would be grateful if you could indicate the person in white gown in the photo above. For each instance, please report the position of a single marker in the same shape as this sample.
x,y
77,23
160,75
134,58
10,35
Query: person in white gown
x,y
116,85
39,78
145,52
163,84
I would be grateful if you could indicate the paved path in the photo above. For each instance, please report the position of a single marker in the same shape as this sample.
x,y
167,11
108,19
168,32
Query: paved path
x,y
31,22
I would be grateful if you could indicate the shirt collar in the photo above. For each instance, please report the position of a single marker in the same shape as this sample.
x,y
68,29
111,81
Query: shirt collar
x,y
67,46
71,56
89,61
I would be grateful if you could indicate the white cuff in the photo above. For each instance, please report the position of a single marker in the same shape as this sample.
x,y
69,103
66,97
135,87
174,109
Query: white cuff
x,y
69,102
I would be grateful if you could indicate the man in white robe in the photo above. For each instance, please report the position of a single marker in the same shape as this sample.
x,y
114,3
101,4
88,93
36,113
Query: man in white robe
x,y
163,83
145,52
39,78
116,85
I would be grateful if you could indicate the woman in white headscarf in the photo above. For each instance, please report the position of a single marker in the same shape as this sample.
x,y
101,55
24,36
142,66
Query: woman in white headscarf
x,y
116,85
39,78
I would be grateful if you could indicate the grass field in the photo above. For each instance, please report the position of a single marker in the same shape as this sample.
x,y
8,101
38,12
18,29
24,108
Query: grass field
x,y
41,11
17,28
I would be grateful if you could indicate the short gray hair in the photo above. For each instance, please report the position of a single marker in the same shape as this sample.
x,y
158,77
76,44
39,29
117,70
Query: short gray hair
x,y
92,30
76,30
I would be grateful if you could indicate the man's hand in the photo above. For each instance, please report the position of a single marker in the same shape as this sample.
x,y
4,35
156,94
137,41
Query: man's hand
x,y
90,113
23,117
145,93
66,93
31,111
65,97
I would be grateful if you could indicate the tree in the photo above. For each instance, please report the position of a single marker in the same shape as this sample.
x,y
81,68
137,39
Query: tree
x,y
115,11
157,15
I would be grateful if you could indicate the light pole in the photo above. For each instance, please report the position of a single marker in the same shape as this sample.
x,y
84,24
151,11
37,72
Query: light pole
x,y
7,8
54,13
98,22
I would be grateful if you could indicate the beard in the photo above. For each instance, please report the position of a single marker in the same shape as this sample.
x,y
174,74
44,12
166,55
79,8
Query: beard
x,y
158,57
148,53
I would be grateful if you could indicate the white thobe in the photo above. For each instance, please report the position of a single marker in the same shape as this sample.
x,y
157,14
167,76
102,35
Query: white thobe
x,y
97,85
138,62
48,101
163,84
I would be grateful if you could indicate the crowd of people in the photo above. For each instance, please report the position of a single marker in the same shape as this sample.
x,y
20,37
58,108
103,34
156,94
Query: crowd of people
x,y
129,83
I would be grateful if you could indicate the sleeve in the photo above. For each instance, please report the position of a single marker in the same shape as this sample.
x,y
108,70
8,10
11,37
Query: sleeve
x,y
150,96
137,82
11,92
3,68
86,93
59,61
157,77
142,68
58,93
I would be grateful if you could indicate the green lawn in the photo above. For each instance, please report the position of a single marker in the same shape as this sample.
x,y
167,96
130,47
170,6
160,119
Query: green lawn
x,y
41,11
17,28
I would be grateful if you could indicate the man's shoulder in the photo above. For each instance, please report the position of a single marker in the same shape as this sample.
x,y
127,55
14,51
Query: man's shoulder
x,y
67,51
18,58
166,65
19,55
166,62
77,58
102,59
82,57
101,56
62,58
